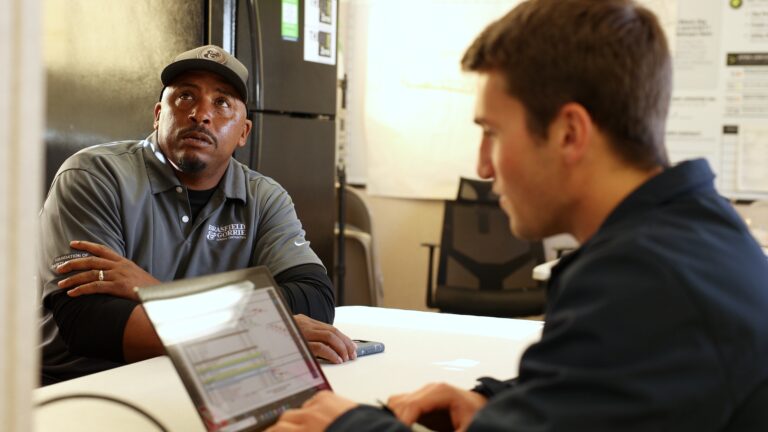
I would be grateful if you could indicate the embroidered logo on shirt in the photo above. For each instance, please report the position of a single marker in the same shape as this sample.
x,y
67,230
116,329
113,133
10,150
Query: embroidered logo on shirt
x,y
226,232
61,259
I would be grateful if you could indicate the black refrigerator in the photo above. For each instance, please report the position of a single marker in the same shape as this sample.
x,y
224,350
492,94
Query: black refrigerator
x,y
103,60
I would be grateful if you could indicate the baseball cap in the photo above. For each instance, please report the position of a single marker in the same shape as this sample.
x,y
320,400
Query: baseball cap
x,y
213,59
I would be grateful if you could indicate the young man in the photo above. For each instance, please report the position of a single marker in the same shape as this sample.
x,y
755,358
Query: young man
x,y
175,205
657,322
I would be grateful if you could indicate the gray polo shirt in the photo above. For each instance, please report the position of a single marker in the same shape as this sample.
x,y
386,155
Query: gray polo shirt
x,y
124,195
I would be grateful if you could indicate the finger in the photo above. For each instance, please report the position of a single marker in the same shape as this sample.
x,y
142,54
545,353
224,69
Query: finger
x,y
81,278
351,348
338,342
293,415
409,407
282,426
316,331
87,263
397,401
409,415
408,398
335,342
292,420
322,350
96,287
349,344
96,249
314,400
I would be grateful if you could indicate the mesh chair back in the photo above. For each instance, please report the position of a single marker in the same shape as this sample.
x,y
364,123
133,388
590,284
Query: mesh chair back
x,y
482,268
476,191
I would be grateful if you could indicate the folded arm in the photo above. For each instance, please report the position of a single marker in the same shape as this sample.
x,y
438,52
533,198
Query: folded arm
x,y
102,318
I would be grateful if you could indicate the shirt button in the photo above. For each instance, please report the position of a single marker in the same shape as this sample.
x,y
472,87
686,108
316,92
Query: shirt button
x,y
179,189
185,218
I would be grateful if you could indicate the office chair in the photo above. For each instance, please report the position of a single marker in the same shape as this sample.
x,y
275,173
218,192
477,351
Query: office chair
x,y
752,415
476,191
482,268
363,279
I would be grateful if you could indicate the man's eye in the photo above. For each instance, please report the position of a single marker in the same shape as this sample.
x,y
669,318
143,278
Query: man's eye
x,y
185,96
224,102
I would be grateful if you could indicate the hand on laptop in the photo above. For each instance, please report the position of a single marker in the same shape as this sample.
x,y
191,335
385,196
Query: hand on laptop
x,y
325,340
104,272
315,415
461,404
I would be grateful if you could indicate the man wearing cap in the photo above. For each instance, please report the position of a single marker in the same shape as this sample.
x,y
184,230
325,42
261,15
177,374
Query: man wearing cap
x,y
172,206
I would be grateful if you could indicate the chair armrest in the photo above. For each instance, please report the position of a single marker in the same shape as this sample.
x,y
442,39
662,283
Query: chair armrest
x,y
542,271
430,270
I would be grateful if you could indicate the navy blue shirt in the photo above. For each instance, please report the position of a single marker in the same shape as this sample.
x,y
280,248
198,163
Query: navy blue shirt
x,y
657,322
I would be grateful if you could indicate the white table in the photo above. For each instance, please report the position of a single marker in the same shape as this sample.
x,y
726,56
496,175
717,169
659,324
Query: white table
x,y
421,347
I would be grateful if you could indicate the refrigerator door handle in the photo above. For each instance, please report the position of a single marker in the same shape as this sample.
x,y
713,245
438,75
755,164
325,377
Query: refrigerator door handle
x,y
255,51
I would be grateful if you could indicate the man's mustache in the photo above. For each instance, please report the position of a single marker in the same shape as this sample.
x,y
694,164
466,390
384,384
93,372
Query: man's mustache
x,y
199,130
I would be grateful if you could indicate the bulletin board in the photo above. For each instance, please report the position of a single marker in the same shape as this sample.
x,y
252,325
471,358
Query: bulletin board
x,y
719,107
409,130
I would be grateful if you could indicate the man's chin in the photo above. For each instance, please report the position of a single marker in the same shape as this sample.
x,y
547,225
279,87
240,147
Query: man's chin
x,y
190,165
522,231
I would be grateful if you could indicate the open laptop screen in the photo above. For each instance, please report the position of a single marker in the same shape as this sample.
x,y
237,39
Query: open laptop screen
x,y
235,347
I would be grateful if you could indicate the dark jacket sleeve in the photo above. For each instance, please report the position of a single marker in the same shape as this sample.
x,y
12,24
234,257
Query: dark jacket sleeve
x,y
367,418
308,291
490,387
622,349
91,325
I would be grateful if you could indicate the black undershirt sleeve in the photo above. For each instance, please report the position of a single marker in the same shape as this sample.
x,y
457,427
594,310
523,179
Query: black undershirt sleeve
x,y
91,325
309,291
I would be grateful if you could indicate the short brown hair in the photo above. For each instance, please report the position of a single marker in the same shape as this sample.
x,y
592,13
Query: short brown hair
x,y
610,56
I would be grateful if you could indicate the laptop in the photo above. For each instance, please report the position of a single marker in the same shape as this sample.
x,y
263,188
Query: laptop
x,y
235,346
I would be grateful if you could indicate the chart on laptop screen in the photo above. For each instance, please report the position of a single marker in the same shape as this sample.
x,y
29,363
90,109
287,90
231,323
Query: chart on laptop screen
x,y
237,349
253,364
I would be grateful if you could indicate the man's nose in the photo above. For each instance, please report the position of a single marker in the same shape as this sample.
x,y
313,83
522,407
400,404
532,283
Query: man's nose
x,y
201,113
484,166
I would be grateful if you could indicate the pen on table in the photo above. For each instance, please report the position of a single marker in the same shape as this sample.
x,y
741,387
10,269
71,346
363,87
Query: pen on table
x,y
385,407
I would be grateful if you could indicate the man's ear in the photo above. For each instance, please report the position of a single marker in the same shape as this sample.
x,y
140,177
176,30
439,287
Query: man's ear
x,y
157,115
246,131
573,129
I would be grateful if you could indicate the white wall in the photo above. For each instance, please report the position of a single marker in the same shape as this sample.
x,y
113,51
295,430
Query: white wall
x,y
21,119
400,226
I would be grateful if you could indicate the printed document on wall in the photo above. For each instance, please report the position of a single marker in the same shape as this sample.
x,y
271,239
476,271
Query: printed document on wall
x,y
693,125
719,107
